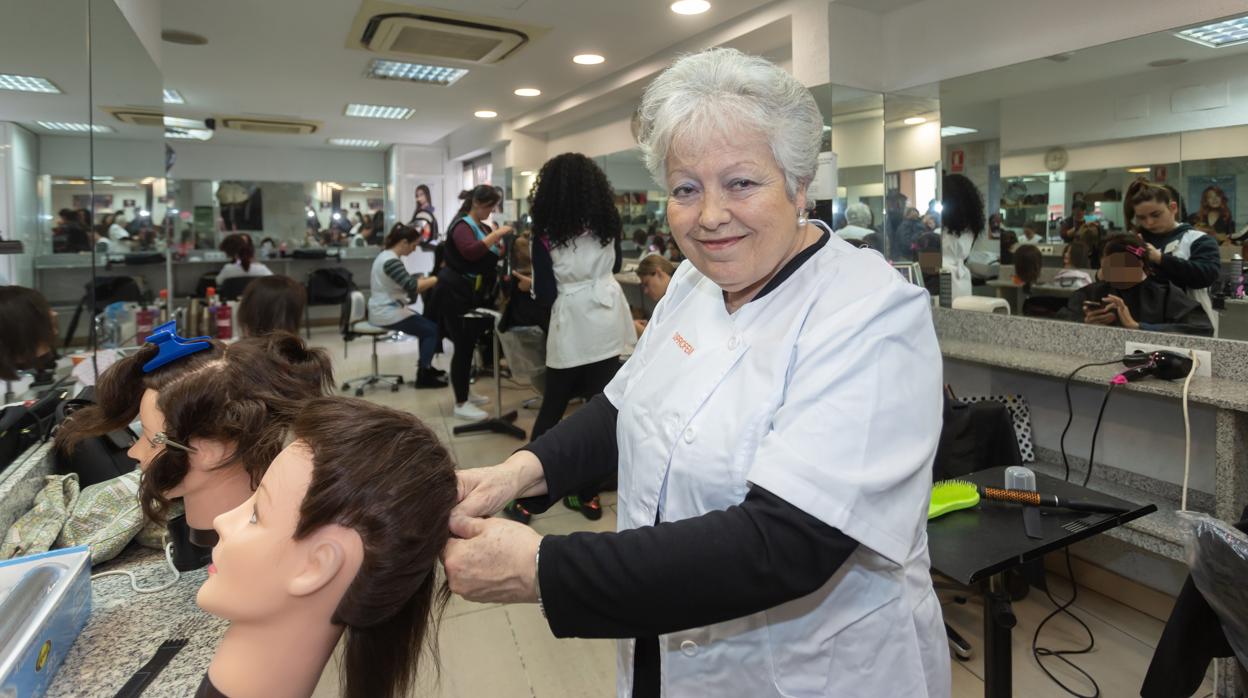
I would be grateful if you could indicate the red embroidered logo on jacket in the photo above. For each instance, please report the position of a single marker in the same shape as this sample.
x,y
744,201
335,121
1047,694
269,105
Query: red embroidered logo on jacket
x,y
684,345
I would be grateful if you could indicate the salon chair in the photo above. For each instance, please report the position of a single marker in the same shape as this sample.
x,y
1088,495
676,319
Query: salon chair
x,y
232,289
326,286
974,436
354,323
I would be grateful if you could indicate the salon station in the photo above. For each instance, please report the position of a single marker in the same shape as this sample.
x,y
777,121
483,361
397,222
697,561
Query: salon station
x,y
559,348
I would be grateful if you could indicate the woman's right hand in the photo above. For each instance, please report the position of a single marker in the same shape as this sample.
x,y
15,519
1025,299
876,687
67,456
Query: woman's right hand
x,y
485,491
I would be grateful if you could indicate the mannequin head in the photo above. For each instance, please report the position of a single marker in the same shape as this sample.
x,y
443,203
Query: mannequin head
x,y
232,413
344,530
655,274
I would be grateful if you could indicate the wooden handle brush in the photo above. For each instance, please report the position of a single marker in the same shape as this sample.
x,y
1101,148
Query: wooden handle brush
x,y
1037,499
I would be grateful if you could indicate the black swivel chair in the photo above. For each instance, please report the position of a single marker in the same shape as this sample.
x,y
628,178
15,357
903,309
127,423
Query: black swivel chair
x,y
327,286
232,289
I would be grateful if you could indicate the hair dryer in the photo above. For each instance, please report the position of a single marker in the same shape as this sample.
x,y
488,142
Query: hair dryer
x,y
1167,365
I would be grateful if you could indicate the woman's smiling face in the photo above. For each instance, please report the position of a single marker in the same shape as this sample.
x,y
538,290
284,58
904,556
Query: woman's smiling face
x,y
729,211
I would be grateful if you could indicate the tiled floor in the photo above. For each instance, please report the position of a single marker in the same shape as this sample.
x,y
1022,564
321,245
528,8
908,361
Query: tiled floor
x,y
494,651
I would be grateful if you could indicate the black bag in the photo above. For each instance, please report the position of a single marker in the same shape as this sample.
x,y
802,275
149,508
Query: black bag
x,y
329,286
22,426
108,290
98,458
973,437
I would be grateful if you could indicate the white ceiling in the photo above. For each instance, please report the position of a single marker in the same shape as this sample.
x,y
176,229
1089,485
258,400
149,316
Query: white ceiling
x,y
881,7
289,58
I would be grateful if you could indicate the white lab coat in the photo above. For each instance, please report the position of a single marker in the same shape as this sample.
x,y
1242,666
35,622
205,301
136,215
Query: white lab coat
x,y
589,321
825,392
955,249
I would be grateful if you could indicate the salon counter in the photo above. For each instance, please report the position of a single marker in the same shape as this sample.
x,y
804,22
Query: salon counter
x,y
125,628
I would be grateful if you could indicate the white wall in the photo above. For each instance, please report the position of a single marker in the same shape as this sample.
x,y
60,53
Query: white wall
x,y
261,164
858,143
911,147
939,39
19,202
602,134
1124,153
71,156
144,18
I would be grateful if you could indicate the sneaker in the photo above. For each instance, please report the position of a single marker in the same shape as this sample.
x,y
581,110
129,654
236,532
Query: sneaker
x,y
478,399
516,512
470,412
590,509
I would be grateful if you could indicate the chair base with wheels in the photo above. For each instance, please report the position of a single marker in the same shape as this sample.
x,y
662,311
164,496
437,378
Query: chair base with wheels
x,y
354,323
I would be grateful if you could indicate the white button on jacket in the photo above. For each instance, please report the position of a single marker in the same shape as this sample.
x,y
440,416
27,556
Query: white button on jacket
x,y
826,392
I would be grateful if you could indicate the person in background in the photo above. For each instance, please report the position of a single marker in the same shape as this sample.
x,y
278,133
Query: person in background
x,y
271,303
655,274
1028,263
29,328
71,231
1175,252
1071,225
522,308
1030,237
268,248
894,210
117,228
1215,214
1074,260
1129,296
392,289
242,253
962,214
857,222
424,220
994,226
357,225
906,234
466,279
1009,240
103,243
576,252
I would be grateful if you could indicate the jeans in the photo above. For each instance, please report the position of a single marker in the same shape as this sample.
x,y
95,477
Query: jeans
x,y
424,329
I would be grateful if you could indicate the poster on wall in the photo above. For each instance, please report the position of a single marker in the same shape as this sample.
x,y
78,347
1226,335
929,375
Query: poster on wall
x,y
102,201
127,203
355,205
1211,204
374,204
242,206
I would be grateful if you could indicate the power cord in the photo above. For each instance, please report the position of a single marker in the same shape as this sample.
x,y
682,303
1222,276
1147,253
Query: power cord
x,y
1064,607
134,582
1187,430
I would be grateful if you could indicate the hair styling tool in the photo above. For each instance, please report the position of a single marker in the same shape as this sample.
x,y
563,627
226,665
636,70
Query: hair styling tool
x,y
1168,365
951,495
1036,499
171,346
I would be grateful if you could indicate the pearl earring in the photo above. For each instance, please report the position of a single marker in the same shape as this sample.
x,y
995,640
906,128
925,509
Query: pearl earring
x,y
801,218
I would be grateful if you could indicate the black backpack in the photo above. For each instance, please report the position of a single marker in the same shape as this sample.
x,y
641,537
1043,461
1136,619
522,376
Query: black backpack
x,y
22,426
98,458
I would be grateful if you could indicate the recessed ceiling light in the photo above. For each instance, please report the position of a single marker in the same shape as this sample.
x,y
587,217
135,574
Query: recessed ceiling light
x,y
485,114
173,97
690,7
1219,34
176,36
27,83
526,173
1138,170
77,128
415,72
588,59
354,142
915,121
528,92
951,131
1167,62
379,111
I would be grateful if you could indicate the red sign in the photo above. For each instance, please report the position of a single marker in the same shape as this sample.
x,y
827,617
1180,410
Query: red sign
x,y
957,160
1159,173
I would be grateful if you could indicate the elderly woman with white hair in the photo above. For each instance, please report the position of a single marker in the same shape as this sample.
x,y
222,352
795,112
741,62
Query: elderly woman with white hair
x,y
857,222
772,507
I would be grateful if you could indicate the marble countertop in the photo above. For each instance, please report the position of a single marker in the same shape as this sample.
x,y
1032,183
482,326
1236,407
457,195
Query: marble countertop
x,y
126,628
1222,393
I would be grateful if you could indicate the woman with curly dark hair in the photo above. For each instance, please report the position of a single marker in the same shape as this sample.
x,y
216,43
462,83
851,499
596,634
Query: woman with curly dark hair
x,y
962,217
576,252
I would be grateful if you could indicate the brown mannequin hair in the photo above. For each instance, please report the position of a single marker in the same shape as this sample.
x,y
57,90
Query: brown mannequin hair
x,y
272,303
387,477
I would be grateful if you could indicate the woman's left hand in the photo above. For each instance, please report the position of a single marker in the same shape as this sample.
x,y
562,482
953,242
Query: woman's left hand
x,y
1124,313
492,560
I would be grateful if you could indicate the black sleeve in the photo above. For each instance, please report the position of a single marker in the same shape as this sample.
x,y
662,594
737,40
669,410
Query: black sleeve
x,y
619,257
673,576
1181,315
1074,307
578,452
1200,271
544,285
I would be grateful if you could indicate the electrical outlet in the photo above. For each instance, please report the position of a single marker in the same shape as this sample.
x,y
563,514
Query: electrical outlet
x,y
1204,368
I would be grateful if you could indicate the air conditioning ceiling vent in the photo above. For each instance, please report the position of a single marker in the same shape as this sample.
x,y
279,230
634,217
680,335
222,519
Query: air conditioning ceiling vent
x,y
250,124
428,34
139,116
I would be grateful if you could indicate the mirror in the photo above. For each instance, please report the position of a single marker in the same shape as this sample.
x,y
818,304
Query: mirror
x,y
641,203
849,185
1054,144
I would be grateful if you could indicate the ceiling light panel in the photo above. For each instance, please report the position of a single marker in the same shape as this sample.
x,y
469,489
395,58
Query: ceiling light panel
x,y
379,111
354,142
415,72
27,83
690,7
528,92
951,131
588,59
74,127
188,134
173,97
1219,34
485,114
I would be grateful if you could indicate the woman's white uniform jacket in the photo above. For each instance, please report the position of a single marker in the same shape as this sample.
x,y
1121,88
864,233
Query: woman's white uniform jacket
x,y
589,321
827,393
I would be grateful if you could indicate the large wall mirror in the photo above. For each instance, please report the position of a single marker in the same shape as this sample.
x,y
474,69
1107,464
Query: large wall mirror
x,y
1053,146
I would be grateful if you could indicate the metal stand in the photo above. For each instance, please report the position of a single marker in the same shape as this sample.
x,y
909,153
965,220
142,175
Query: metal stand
x,y
500,423
999,619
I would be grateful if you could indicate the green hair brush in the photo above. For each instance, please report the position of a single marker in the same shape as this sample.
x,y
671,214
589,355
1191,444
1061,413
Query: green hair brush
x,y
951,495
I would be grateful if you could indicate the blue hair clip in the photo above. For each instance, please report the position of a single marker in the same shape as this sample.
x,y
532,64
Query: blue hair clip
x,y
172,347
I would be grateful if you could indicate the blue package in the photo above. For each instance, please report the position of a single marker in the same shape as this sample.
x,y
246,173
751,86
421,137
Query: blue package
x,y
45,601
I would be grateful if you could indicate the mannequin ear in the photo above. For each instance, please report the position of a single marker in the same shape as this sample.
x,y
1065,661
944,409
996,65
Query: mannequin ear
x,y
209,453
328,552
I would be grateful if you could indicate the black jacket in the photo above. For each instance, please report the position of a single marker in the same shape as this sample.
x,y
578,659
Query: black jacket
x,y
1200,270
1158,306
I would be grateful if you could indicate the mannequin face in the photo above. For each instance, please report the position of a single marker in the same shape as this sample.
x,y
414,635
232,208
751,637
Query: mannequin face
x,y
259,571
208,454
655,285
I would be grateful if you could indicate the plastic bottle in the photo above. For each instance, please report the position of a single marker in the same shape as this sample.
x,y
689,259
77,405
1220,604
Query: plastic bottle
x,y
213,307
144,320
164,305
1237,276
225,326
